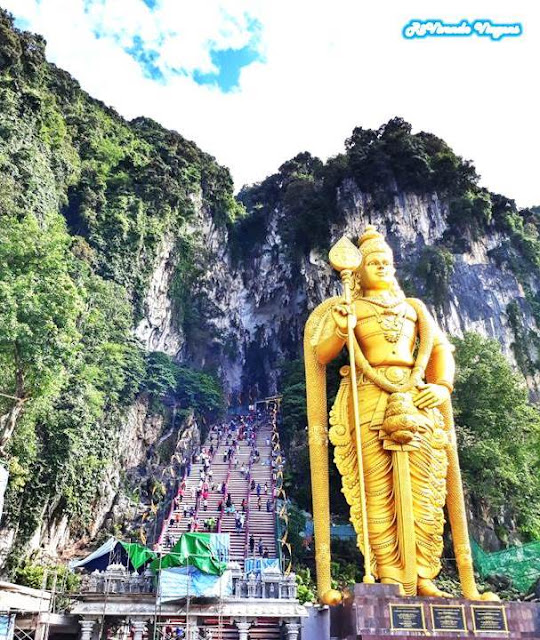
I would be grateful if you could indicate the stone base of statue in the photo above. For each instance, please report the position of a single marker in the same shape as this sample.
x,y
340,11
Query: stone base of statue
x,y
378,611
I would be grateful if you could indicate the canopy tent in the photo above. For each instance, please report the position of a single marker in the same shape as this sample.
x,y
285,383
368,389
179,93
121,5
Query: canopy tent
x,y
208,552
189,582
129,554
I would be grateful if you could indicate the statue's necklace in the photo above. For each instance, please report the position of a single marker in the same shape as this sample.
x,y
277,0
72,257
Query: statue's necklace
x,y
386,303
424,351
390,320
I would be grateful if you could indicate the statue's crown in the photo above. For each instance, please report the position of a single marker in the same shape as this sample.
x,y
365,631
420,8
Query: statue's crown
x,y
371,241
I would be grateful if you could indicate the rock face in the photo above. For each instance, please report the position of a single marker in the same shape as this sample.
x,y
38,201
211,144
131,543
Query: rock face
x,y
141,430
254,312
479,289
156,330
250,318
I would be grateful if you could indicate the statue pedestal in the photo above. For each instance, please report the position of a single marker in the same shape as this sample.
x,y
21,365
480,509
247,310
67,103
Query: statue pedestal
x,y
377,611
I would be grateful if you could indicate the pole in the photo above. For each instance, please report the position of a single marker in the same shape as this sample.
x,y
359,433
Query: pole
x,y
346,275
346,259
158,595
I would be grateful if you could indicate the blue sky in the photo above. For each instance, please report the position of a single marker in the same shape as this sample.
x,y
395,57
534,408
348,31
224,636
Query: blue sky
x,y
255,82
228,64
153,37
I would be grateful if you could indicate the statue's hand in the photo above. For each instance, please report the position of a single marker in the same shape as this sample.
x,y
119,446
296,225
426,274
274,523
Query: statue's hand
x,y
340,313
430,396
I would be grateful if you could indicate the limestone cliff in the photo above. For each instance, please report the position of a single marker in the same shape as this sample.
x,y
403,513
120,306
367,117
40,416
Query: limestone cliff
x,y
261,304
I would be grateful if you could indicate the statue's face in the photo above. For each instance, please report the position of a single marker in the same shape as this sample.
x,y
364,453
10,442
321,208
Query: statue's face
x,y
377,272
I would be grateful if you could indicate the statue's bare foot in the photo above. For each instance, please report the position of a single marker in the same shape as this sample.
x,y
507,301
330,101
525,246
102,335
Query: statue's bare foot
x,y
428,589
332,597
488,596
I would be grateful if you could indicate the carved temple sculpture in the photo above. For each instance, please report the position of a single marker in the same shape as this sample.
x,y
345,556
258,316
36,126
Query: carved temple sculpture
x,y
393,404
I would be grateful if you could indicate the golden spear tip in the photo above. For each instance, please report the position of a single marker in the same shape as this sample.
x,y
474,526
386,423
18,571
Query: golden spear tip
x,y
344,255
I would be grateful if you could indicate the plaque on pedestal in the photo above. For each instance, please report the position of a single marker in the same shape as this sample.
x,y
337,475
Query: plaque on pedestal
x,y
489,619
377,612
448,617
407,617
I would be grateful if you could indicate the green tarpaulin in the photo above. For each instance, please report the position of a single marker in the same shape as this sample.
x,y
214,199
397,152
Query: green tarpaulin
x,y
129,554
520,564
193,550
138,555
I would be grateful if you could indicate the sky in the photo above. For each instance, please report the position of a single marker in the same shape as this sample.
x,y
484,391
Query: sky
x,y
254,82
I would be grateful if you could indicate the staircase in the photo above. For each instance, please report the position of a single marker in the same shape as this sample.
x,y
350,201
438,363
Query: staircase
x,y
260,523
265,629
238,488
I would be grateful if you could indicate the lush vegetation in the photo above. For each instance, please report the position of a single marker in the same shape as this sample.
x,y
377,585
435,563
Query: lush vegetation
x,y
499,434
85,202
382,163
435,267
51,576
521,253
185,387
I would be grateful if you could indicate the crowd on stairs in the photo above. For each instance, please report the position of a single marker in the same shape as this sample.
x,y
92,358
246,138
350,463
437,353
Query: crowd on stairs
x,y
228,485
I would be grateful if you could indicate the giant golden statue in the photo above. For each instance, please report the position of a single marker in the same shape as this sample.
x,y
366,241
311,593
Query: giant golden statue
x,y
393,405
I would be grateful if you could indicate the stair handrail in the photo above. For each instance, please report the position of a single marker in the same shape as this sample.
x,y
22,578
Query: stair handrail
x,y
248,497
176,493
227,478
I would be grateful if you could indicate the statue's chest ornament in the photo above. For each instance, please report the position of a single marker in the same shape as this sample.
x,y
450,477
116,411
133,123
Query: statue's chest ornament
x,y
390,320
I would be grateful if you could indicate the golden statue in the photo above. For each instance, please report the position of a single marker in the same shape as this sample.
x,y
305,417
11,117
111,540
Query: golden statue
x,y
393,405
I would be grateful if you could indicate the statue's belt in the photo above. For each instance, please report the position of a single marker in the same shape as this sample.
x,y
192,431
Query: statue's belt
x,y
393,373
396,374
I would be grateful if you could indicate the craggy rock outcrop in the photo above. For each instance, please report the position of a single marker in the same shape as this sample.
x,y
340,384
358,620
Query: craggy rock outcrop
x,y
260,307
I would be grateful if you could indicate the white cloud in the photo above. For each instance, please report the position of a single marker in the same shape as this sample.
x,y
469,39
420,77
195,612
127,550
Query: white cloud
x,y
328,67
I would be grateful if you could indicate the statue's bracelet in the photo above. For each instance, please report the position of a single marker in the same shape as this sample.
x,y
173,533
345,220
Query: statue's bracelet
x,y
340,334
445,383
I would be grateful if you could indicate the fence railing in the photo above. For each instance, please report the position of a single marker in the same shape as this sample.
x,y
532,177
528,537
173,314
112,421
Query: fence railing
x,y
117,584
274,586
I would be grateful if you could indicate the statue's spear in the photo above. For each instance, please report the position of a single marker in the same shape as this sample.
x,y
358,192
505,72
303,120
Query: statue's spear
x,y
346,259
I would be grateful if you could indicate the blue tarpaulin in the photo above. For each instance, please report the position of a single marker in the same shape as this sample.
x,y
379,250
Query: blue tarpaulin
x,y
109,552
7,626
183,582
220,543
262,565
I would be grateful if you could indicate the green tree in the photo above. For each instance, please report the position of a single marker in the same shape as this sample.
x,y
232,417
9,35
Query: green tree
x,y
161,372
200,391
436,267
498,433
39,306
